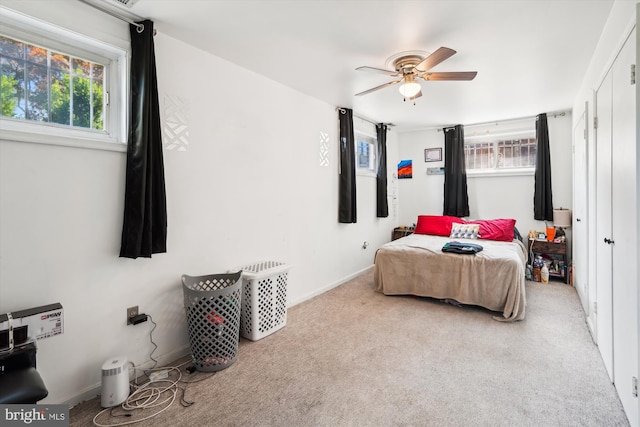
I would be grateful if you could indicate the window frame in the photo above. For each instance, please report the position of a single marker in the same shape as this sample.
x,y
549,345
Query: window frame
x,y
116,59
494,139
372,141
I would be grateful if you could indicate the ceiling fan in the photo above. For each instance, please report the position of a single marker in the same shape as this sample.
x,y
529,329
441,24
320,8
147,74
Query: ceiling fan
x,y
412,66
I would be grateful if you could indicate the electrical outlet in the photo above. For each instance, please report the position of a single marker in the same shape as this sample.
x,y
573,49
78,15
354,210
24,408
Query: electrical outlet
x,y
131,312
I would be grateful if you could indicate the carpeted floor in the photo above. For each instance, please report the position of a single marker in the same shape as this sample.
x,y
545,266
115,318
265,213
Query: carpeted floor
x,y
354,357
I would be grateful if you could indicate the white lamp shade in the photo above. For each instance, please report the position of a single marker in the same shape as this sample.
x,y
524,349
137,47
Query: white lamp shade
x,y
410,88
562,217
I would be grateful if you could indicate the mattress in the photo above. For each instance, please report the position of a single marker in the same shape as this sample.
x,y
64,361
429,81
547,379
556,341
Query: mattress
x,y
493,278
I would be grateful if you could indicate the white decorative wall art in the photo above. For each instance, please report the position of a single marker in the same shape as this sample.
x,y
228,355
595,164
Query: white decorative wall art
x,y
175,127
324,149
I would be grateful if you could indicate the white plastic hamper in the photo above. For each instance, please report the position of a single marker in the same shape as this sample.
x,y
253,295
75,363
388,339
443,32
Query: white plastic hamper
x,y
264,299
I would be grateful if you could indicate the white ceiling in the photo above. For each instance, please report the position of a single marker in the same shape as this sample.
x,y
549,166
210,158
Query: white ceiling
x,y
530,54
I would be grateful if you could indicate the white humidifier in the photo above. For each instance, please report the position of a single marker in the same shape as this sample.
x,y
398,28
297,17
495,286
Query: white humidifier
x,y
115,382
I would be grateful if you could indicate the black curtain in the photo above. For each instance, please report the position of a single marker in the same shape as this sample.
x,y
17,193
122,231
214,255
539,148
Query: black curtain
x,y
542,197
347,189
144,231
381,177
456,199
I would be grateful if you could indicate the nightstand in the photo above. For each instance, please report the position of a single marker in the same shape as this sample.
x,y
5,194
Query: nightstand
x,y
556,252
401,231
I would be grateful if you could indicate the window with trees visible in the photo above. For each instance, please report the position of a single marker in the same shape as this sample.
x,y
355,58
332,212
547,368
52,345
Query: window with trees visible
x,y
42,85
58,86
501,152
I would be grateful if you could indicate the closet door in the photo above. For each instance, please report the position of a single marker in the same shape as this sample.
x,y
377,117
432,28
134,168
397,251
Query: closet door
x,y
624,227
580,202
616,226
603,239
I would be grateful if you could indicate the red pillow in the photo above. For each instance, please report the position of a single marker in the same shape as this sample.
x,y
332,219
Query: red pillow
x,y
436,225
495,229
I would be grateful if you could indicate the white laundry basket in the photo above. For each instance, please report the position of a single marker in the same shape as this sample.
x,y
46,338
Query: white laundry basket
x,y
264,299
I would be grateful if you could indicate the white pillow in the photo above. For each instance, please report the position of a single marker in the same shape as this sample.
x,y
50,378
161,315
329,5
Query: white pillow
x,y
464,231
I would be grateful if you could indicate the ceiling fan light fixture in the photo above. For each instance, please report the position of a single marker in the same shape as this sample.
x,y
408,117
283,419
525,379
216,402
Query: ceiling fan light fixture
x,y
410,88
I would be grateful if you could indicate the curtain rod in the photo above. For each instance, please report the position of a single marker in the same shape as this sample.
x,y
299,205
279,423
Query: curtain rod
x,y
496,122
118,16
341,109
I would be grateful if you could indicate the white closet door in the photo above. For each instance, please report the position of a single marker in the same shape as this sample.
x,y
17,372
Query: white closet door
x,y
604,297
579,227
624,225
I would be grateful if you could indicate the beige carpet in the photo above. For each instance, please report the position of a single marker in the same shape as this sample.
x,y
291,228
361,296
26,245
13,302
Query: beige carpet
x,y
354,357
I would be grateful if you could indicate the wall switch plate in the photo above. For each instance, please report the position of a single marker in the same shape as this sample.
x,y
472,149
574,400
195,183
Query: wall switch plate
x,y
131,312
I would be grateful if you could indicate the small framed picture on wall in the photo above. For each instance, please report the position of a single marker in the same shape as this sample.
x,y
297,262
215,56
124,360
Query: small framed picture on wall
x,y
432,154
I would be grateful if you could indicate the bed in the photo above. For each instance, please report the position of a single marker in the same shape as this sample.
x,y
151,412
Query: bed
x,y
493,278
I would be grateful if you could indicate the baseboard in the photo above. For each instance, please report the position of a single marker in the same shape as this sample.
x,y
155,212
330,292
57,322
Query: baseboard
x,y
94,390
329,287
592,330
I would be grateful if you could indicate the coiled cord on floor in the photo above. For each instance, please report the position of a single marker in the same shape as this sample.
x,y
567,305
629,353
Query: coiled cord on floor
x,y
147,396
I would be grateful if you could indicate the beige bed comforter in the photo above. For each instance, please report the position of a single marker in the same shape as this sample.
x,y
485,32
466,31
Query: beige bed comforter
x,y
493,278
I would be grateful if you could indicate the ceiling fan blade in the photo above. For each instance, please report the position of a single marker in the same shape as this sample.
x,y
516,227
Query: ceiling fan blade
x,y
453,75
379,70
373,89
435,58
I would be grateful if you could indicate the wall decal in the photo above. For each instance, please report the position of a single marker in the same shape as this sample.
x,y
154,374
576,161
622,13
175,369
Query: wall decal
x,y
405,169
175,127
324,149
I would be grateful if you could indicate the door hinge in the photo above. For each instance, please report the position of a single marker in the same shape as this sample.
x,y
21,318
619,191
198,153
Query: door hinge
x,y
634,386
633,74
595,122
595,307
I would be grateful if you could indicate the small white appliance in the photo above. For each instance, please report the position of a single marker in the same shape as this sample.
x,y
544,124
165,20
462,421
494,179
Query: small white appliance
x,y
115,382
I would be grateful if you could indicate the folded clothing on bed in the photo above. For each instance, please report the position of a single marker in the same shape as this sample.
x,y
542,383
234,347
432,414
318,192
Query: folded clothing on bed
x,y
461,248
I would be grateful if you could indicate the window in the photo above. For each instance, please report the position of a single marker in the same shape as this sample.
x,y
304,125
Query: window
x,y
513,152
58,86
366,154
42,85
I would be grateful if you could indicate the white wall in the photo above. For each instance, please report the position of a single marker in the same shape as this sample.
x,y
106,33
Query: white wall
x,y
489,196
249,188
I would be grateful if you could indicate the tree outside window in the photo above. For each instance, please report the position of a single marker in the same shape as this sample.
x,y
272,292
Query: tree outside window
x,y
43,85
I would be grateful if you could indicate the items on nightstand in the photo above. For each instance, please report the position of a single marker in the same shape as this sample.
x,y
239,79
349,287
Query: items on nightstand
x,y
551,233
537,267
544,274
553,254
561,220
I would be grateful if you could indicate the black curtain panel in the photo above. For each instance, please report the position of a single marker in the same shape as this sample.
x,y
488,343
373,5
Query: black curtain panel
x,y
456,199
347,188
542,197
382,204
144,231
